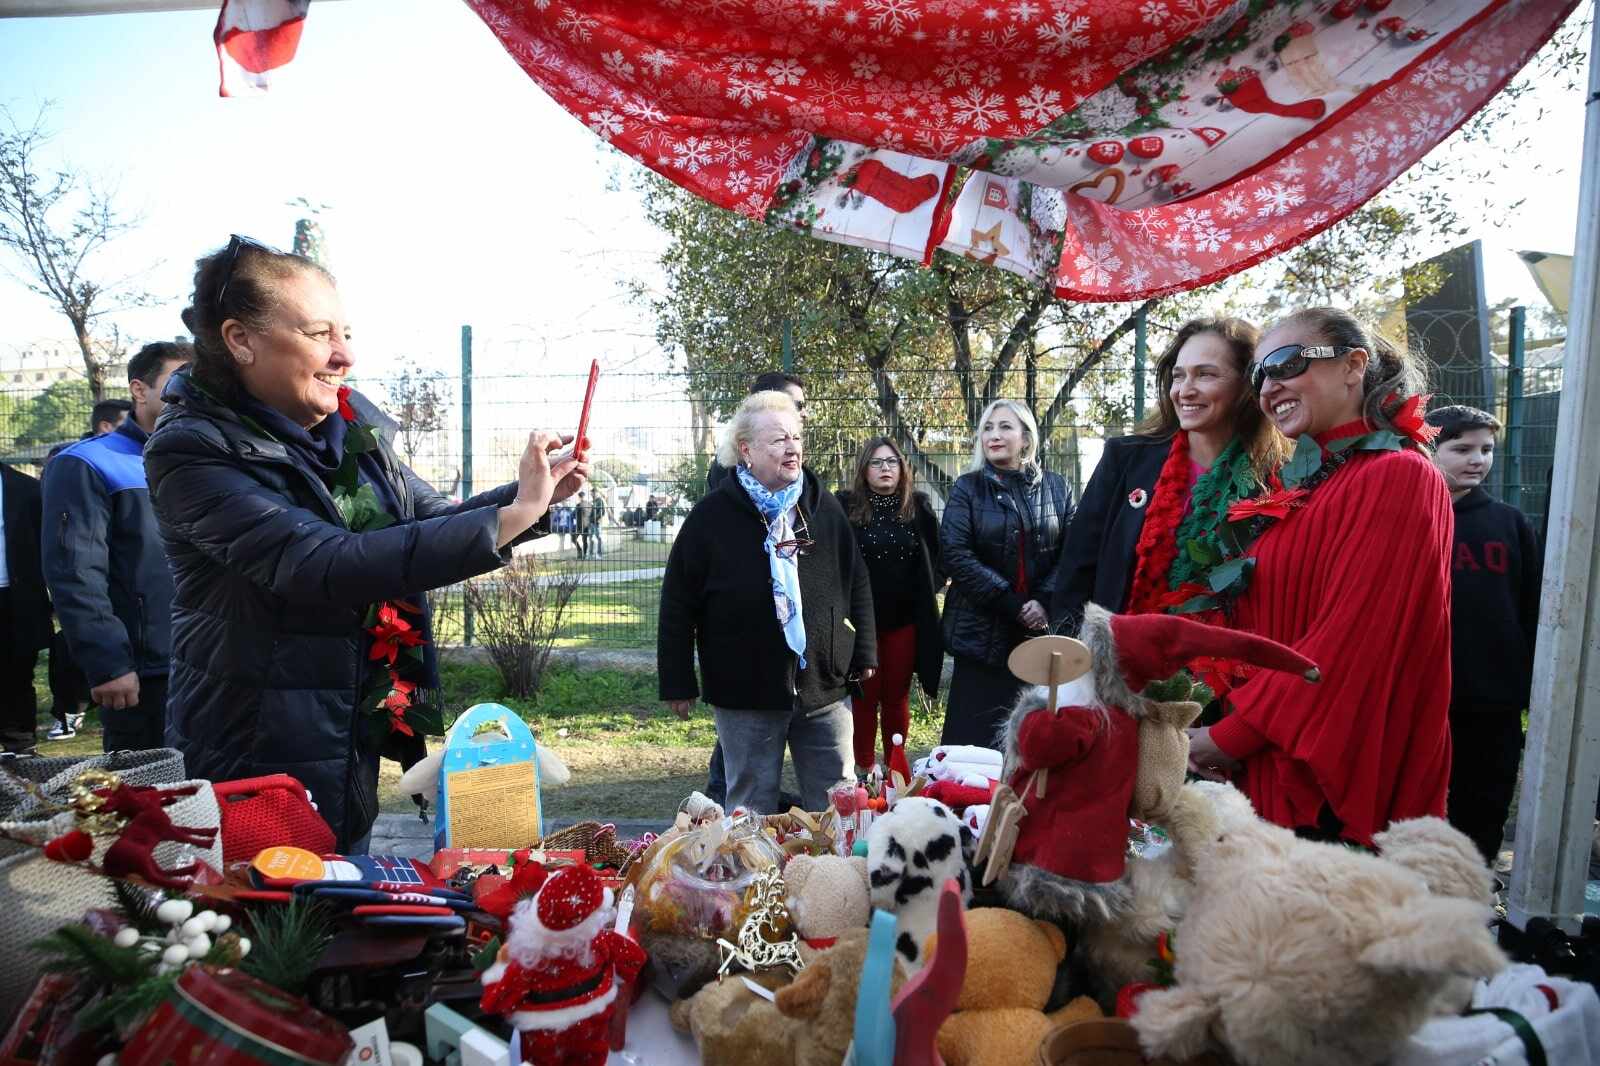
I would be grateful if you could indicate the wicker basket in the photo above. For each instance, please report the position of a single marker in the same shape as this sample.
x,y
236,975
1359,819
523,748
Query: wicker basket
x,y
598,843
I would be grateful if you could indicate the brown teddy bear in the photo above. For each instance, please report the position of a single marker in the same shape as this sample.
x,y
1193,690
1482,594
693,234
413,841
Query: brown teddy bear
x,y
810,1023
1011,968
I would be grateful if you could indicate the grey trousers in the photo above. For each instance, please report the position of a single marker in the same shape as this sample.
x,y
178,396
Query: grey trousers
x,y
752,749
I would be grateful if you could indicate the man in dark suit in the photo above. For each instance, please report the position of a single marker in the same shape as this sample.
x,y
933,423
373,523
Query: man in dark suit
x,y
24,608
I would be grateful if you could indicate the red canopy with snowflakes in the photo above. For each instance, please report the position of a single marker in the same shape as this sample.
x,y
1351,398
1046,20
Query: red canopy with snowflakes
x,y
1119,148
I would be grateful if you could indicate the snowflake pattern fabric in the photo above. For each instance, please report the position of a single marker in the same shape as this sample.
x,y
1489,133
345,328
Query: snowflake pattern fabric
x,y
1118,149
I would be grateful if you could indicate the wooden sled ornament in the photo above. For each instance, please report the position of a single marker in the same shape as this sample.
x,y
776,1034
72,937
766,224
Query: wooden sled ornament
x,y
1051,661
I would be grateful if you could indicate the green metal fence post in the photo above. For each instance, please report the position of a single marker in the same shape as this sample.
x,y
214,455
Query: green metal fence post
x,y
788,347
1141,346
466,457
1516,349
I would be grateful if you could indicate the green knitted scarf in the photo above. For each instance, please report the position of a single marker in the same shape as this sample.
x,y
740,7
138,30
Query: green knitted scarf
x,y
1200,546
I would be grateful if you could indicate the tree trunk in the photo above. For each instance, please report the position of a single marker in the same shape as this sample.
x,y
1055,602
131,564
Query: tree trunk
x,y
93,368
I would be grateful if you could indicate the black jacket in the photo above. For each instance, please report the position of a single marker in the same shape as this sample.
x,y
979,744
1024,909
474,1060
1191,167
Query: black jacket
x,y
272,593
716,599
30,604
930,642
983,518
1097,555
1495,573
103,558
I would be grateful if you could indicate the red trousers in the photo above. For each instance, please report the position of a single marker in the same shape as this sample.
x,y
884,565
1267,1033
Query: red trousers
x,y
888,689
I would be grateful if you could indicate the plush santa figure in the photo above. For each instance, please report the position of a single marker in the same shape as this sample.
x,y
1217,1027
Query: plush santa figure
x,y
558,973
1073,766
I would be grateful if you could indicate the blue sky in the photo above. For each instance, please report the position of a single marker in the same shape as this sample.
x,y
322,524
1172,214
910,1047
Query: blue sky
x,y
460,193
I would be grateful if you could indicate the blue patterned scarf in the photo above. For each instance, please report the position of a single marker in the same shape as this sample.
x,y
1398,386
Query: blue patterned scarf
x,y
775,508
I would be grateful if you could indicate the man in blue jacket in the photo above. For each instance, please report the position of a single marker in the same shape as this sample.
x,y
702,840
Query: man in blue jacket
x,y
105,565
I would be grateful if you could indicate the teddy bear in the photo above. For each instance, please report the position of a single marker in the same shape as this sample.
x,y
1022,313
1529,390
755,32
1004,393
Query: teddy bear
x,y
911,851
828,896
810,1021
1119,949
1291,950
1011,969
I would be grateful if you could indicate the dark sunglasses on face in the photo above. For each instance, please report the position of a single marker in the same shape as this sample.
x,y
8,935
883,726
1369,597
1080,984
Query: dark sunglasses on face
x,y
1291,361
237,244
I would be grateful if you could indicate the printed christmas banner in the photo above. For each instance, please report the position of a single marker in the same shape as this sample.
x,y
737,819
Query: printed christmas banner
x,y
1118,148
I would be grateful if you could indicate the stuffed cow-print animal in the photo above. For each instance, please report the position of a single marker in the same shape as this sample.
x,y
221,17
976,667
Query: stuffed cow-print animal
x,y
911,852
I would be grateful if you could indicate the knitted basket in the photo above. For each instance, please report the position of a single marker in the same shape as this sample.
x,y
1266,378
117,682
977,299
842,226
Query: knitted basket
x,y
40,896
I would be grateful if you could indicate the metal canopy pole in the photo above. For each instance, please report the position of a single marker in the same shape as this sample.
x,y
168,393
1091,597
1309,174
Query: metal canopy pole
x,y
1561,771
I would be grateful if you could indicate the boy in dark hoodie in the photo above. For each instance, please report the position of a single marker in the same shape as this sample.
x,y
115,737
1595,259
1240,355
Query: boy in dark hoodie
x,y
1495,576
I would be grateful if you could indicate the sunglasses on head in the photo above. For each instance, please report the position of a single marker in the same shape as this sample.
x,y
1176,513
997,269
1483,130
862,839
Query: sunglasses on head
x,y
1291,361
237,244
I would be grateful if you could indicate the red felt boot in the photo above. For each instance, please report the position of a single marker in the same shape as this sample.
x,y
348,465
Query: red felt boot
x,y
1244,90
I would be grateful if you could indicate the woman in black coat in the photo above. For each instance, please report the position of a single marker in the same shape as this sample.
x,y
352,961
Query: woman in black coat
x,y
899,538
765,582
1206,445
299,544
1000,540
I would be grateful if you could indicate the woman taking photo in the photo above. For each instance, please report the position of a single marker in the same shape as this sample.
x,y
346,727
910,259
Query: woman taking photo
x,y
899,539
1206,446
765,582
299,543
1352,571
1000,541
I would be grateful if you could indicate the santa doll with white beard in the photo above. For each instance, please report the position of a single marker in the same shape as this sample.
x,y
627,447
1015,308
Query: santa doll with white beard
x,y
561,968
1073,767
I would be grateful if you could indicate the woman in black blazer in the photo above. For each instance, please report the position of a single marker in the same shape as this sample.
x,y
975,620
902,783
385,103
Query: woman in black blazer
x,y
1206,445
899,539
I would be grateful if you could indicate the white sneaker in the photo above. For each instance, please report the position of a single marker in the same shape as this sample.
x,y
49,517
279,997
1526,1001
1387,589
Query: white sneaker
x,y
61,732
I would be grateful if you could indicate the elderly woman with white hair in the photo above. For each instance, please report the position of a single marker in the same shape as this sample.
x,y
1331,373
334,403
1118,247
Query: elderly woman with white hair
x,y
1000,538
766,583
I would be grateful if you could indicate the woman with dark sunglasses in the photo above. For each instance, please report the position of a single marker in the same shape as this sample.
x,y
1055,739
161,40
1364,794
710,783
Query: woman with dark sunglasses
x,y
766,584
899,538
1352,571
300,545
1206,446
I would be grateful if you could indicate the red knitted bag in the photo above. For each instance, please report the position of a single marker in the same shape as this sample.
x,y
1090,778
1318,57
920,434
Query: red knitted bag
x,y
263,812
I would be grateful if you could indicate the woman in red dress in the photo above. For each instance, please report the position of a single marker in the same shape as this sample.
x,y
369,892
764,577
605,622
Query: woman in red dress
x,y
1351,570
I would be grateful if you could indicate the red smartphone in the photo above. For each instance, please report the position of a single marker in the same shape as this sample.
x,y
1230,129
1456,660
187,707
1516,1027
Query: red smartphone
x,y
580,443
576,448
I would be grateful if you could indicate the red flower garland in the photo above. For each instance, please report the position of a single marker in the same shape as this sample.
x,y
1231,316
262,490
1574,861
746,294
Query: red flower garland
x,y
392,635
1158,540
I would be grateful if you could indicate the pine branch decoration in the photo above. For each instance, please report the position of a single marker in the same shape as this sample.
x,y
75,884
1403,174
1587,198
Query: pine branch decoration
x,y
74,949
286,943
138,907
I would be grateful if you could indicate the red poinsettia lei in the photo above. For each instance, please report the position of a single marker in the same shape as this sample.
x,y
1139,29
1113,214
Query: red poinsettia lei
x,y
390,701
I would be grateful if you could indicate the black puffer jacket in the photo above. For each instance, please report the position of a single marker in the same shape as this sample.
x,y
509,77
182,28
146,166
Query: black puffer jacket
x,y
989,514
272,591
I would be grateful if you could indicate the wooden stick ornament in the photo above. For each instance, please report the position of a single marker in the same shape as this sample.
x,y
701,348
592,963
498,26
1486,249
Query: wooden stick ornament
x,y
1051,661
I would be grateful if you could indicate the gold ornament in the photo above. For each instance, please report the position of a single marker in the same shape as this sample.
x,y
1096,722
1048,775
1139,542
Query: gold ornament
x,y
758,948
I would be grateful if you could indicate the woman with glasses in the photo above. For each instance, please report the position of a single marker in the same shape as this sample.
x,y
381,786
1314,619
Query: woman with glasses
x,y
300,546
1153,494
1351,570
1000,540
899,539
766,584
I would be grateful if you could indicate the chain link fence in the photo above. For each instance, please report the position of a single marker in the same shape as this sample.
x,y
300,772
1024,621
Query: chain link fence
x,y
654,434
